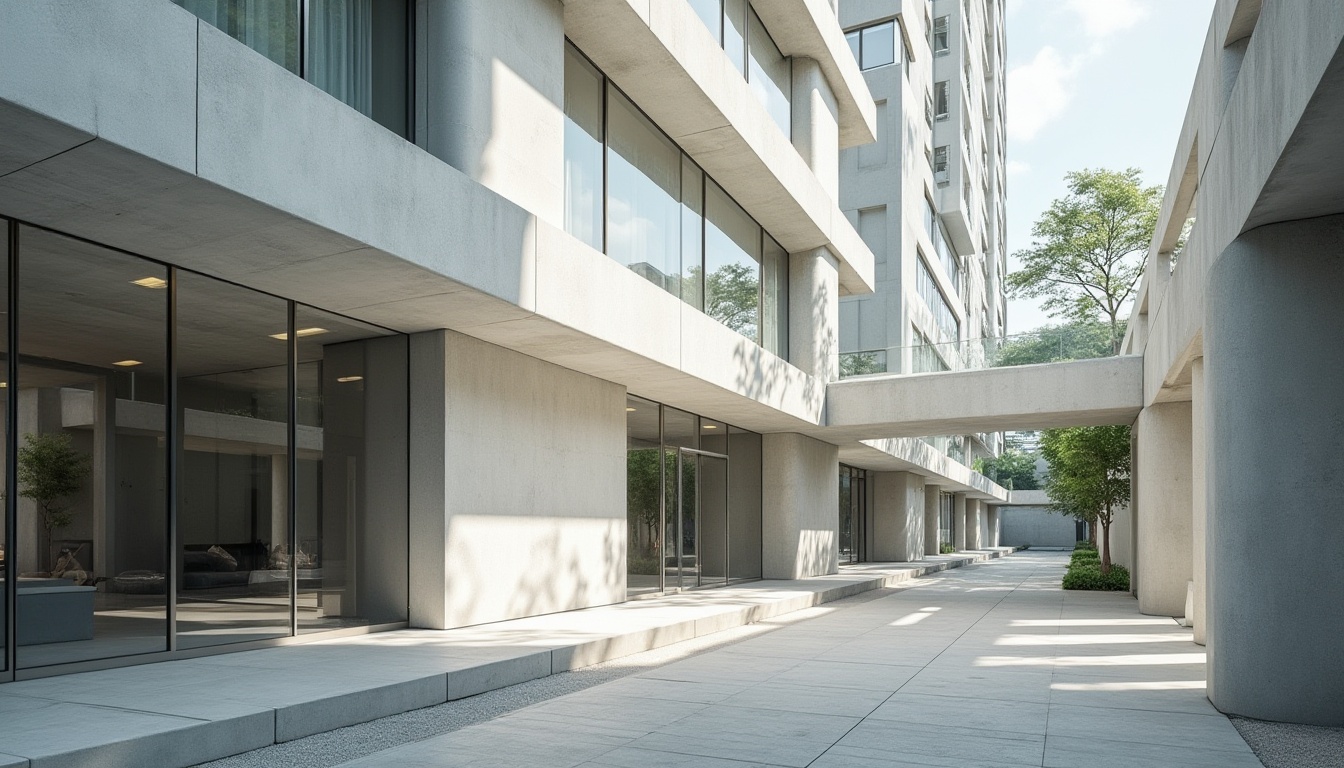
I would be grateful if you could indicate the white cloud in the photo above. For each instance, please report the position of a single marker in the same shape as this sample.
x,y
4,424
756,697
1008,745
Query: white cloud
x,y
1017,167
1038,92
1103,18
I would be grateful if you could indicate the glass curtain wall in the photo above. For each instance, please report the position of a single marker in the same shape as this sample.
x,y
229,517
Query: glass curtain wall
x,y
748,45
270,437
8,232
652,209
693,500
355,50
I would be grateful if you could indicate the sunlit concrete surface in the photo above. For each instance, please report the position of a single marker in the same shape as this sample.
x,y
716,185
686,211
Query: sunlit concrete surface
x,y
992,665
180,713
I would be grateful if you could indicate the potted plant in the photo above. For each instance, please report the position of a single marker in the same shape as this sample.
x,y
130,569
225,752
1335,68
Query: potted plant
x,y
50,471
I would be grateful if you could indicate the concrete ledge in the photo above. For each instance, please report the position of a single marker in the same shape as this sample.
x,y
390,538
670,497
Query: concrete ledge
x,y
180,713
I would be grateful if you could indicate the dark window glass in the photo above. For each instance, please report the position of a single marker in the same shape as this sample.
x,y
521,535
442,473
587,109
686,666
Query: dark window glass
x,y
357,53
744,528
269,27
351,512
583,149
233,503
92,506
732,264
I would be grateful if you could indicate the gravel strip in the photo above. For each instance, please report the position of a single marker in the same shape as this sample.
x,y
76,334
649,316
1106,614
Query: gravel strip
x,y
344,744
1287,745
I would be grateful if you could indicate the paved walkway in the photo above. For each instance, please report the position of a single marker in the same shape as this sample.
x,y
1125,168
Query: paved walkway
x,y
991,665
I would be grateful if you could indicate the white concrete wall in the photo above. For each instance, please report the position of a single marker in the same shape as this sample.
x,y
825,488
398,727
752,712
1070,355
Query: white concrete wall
x,y
801,482
517,485
1036,527
897,514
492,98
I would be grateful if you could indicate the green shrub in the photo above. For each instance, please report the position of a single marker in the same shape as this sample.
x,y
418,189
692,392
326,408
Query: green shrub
x,y
643,565
1085,545
1089,576
946,549
1085,556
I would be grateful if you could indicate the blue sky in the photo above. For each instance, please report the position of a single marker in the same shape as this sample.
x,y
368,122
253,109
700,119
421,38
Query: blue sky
x,y
1092,84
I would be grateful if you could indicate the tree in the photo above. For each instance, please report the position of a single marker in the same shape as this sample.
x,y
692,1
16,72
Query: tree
x,y
732,296
1089,475
1076,340
644,482
50,471
1089,248
1014,470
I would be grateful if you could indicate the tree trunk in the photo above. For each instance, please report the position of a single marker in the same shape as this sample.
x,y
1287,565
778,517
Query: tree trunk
x,y
1092,531
1106,547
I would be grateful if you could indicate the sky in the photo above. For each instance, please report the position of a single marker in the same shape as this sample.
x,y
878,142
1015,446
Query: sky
x,y
1092,84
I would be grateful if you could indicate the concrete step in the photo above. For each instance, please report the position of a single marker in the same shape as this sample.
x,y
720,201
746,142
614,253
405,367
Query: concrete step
x,y
179,713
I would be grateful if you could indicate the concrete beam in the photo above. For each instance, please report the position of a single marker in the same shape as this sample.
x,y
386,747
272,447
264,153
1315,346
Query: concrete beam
x,y
1079,393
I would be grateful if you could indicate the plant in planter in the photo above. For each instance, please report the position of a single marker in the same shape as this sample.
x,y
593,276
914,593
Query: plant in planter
x,y
51,471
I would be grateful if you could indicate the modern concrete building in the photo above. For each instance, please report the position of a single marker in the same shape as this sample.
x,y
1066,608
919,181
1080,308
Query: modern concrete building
x,y
327,317
928,198
1238,326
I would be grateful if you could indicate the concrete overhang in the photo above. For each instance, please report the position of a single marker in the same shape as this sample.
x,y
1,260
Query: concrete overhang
x,y
809,28
908,454
1078,393
143,129
663,57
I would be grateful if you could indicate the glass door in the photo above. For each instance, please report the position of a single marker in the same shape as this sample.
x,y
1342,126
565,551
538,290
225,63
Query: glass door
x,y
701,521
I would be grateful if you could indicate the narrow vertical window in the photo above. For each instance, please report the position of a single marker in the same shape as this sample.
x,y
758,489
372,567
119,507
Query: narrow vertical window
x,y
692,234
583,149
770,75
775,298
735,32
939,42
940,100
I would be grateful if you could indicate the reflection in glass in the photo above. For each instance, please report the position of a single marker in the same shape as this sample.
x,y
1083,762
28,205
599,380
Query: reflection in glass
x,y
770,76
846,529
643,190
233,501
350,502
680,430
732,263
92,512
879,45
735,33
269,27
775,299
583,149
644,494
692,234
357,53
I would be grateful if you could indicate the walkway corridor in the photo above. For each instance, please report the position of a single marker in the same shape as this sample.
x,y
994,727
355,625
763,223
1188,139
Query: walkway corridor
x,y
992,665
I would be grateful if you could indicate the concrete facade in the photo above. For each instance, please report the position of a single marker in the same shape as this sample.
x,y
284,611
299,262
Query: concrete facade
x,y
898,517
1034,526
800,482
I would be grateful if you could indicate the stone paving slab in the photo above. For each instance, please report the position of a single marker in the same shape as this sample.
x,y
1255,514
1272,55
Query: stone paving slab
x,y
180,713
1009,670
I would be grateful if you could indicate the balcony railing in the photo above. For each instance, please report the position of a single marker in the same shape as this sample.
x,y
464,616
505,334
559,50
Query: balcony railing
x,y
1046,345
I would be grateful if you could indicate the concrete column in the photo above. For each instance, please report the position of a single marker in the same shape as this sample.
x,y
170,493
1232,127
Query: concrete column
x,y
992,526
984,525
1162,505
492,101
814,313
974,510
1273,358
959,522
816,131
1198,500
897,517
801,481
932,502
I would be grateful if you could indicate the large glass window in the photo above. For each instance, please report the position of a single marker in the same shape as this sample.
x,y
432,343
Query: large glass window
x,y
644,497
770,75
234,492
583,149
853,520
732,263
92,509
949,328
356,50
643,190
274,445
350,516
662,216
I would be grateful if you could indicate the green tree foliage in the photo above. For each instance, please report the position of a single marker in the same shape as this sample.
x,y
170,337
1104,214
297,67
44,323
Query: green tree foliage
x,y
1089,248
1013,469
1077,340
732,296
1088,476
51,471
862,363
